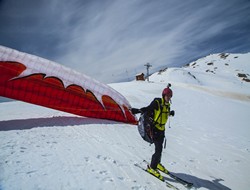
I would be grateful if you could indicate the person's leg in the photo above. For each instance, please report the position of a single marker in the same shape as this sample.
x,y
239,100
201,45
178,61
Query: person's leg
x,y
156,157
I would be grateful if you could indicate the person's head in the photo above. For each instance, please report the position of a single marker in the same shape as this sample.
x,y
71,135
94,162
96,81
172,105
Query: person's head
x,y
167,93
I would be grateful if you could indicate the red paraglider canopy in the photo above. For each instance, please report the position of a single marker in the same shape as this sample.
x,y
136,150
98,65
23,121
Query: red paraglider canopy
x,y
42,82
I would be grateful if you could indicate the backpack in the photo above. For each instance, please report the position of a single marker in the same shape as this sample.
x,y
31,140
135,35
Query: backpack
x,y
145,127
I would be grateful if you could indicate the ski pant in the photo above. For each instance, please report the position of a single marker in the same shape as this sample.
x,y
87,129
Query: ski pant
x,y
158,142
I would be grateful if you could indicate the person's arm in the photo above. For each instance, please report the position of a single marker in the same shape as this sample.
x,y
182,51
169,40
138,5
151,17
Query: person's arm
x,y
135,111
153,105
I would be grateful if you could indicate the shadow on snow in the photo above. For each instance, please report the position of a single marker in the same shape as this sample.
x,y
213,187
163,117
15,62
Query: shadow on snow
x,y
21,124
201,183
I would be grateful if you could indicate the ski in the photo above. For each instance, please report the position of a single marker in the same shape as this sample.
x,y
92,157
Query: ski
x,y
164,180
178,179
182,181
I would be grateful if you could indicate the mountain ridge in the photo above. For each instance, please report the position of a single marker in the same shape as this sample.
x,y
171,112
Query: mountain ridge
x,y
231,70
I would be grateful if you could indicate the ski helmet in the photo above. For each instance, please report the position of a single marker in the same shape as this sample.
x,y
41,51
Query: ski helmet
x,y
167,91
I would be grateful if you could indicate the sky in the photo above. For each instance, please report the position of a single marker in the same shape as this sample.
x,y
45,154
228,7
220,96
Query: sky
x,y
112,40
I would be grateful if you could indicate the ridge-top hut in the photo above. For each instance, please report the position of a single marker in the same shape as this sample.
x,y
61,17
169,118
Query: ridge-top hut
x,y
140,76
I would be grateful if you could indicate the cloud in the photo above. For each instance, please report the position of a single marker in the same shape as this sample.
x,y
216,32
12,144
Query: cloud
x,y
112,40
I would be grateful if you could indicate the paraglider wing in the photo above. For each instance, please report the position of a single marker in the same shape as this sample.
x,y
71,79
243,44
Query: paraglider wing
x,y
42,82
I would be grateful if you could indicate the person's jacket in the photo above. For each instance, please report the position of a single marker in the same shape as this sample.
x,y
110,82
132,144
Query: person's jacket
x,y
158,110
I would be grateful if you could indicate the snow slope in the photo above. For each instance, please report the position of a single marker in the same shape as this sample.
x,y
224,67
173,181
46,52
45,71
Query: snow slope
x,y
219,72
207,141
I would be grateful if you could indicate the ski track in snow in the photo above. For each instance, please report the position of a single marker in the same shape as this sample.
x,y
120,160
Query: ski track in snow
x,y
216,92
52,154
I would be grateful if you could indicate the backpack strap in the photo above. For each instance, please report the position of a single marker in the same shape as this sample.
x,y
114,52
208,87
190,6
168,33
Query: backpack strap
x,y
161,108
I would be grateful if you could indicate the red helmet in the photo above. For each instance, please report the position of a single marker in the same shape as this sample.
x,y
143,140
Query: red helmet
x,y
167,91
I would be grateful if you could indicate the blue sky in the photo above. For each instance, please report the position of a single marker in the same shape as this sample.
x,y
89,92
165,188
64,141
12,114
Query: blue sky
x,y
111,40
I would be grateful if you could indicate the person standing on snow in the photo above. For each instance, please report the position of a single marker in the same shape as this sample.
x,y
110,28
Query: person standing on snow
x,y
158,112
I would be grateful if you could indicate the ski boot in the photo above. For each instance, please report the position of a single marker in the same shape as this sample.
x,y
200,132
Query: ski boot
x,y
154,173
162,168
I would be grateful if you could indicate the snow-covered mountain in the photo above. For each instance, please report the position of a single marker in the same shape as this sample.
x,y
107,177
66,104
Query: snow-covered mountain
x,y
230,70
221,74
207,140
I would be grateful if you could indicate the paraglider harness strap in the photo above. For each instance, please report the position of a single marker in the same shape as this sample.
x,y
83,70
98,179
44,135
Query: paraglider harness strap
x,y
161,108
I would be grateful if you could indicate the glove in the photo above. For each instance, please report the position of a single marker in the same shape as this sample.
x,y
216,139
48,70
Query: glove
x,y
172,113
135,110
